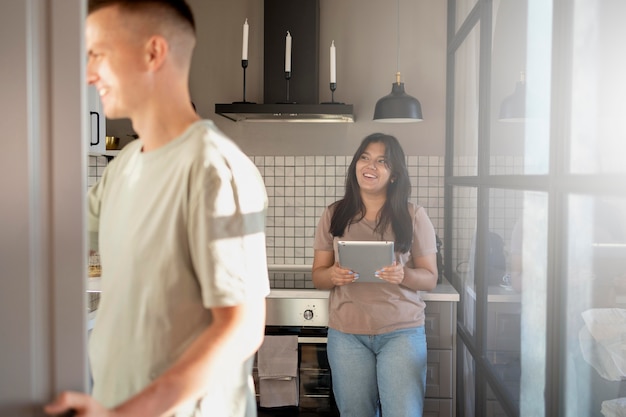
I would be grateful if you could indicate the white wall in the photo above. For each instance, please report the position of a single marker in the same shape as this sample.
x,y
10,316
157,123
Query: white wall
x,y
365,35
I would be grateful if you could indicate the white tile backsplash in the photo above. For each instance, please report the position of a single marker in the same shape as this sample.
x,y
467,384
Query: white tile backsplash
x,y
313,182
299,187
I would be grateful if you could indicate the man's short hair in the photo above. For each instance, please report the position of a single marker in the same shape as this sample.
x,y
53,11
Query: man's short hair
x,y
175,8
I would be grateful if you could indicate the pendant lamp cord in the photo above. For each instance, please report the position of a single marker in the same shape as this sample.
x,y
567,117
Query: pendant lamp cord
x,y
398,37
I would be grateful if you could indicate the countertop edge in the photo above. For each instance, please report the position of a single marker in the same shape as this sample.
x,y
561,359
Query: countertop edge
x,y
443,292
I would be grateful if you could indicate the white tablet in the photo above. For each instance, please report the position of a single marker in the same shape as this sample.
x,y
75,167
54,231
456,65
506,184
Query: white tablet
x,y
365,257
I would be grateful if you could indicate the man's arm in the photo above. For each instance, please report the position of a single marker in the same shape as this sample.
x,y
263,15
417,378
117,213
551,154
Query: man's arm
x,y
235,334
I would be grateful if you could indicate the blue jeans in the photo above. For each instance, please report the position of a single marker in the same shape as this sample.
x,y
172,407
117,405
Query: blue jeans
x,y
381,372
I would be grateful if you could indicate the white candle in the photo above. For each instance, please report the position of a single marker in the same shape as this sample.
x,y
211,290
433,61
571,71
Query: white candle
x,y
244,47
288,52
333,63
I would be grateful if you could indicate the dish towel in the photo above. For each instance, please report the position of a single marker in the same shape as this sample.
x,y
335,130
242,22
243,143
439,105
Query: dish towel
x,y
602,341
614,408
278,371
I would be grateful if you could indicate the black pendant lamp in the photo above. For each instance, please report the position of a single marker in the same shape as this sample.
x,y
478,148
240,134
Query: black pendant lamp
x,y
513,107
398,106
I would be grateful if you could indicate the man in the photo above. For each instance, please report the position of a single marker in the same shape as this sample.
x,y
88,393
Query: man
x,y
180,218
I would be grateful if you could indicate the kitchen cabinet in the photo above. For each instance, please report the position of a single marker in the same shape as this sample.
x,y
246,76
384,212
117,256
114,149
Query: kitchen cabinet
x,y
440,326
494,410
97,123
504,314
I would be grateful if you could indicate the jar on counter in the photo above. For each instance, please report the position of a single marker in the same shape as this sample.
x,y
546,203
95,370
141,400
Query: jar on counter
x,y
94,264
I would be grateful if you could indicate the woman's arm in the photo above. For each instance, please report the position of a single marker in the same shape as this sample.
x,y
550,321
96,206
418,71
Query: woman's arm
x,y
421,277
327,273
419,272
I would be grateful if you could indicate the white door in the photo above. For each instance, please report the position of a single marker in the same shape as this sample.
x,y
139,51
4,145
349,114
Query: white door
x,y
43,186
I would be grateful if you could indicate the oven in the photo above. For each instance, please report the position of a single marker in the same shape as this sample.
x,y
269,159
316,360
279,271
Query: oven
x,y
302,314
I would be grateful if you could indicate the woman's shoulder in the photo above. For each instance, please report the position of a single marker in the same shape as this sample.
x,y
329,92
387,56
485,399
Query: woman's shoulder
x,y
329,210
417,211
332,207
414,207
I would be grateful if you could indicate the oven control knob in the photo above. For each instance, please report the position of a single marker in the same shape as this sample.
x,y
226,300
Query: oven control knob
x,y
308,314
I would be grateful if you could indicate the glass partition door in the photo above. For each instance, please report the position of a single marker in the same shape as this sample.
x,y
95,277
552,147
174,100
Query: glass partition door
x,y
535,208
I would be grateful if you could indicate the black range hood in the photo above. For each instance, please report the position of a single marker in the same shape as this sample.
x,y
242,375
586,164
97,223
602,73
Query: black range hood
x,y
298,99
304,113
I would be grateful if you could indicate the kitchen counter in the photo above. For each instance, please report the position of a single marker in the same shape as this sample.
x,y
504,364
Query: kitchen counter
x,y
498,294
443,292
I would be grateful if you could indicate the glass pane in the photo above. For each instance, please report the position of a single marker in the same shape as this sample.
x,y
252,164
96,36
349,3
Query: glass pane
x,y
463,232
598,88
466,105
538,76
596,306
516,265
463,8
520,88
493,408
466,381
508,88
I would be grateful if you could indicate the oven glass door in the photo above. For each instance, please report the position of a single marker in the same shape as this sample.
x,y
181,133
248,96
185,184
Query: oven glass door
x,y
315,385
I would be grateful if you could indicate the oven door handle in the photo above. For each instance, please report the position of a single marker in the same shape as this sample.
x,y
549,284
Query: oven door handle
x,y
312,340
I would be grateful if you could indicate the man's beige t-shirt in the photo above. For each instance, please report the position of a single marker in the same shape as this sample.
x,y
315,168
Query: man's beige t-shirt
x,y
181,230
376,308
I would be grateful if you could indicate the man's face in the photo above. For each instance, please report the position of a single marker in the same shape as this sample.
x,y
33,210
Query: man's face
x,y
115,61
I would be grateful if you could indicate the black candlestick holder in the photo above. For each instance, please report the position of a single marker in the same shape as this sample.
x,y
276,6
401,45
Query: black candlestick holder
x,y
244,65
333,87
287,78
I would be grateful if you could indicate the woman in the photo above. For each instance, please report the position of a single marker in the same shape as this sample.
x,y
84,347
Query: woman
x,y
376,339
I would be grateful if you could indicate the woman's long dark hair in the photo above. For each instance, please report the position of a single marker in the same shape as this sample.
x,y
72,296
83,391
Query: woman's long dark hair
x,y
350,209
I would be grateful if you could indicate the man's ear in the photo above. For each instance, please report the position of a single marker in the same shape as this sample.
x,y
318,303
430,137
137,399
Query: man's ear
x,y
156,50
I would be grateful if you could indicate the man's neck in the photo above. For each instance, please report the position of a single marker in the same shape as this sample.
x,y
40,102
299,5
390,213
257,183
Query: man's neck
x,y
157,132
